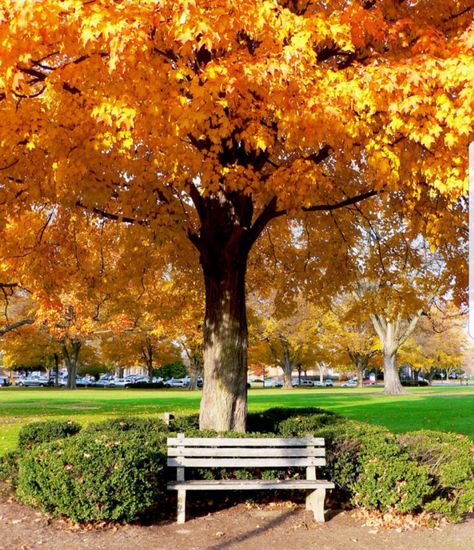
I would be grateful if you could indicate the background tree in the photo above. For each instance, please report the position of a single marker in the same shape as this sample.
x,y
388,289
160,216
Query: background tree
x,y
442,340
402,276
353,337
29,348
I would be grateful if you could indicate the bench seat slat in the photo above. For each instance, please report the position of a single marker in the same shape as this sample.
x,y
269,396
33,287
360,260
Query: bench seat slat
x,y
244,442
245,462
266,452
249,484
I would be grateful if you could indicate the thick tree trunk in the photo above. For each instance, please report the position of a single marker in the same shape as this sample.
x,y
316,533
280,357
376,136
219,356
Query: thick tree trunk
x,y
428,376
192,380
224,396
321,372
360,363
56,369
70,358
149,369
392,384
287,371
360,374
71,376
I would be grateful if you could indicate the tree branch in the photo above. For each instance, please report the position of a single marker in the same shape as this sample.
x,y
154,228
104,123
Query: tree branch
x,y
110,216
16,325
341,204
411,327
379,329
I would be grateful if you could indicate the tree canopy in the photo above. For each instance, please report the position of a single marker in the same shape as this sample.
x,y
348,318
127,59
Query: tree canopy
x,y
203,121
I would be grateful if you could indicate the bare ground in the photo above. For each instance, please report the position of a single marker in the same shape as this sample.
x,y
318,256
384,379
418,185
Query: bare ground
x,y
243,526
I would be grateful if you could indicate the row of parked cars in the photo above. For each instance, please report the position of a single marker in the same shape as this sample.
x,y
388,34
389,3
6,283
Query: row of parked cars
x,y
295,382
105,381
43,381
312,383
110,381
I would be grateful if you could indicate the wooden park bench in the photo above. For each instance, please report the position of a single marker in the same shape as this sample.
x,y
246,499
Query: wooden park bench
x,y
247,452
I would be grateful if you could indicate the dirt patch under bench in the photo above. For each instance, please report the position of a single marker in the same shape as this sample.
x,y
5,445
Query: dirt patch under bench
x,y
282,526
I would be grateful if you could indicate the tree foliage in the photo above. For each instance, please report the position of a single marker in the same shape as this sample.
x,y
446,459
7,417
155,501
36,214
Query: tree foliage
x,y
199,123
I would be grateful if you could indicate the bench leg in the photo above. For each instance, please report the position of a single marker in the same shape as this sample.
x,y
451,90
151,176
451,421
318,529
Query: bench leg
x,y
315,503
181,505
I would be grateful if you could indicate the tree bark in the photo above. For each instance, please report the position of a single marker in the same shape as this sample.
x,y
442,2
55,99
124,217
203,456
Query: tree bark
x,y
393,334
224,396
70,358
360,362
392,384
193,363
149,369
429,376
193,376
321,367
360,373
288,365
56,369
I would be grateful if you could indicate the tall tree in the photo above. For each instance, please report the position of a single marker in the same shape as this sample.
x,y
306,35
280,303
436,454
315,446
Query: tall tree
x,y
290,336
205,122
353,336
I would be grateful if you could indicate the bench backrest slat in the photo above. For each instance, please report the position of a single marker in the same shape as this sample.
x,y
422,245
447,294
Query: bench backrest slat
x,y
245,462
244,442
248,452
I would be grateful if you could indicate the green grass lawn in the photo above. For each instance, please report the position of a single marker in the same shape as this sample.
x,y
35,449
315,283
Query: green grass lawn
x,y
437,408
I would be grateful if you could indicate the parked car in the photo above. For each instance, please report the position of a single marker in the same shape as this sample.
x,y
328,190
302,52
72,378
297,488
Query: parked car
x,y
177,382
80,382
119,382
104,383
368,382
271,383
32,381
349,384
328,383
304,382
4,381
141,379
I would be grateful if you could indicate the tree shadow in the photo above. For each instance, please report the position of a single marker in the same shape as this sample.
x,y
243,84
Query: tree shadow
x,y
238,539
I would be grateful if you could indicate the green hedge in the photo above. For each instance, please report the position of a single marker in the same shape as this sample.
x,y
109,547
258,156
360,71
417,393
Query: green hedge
x,y
41,432
132,424
303,418
449,460
95,476
116,469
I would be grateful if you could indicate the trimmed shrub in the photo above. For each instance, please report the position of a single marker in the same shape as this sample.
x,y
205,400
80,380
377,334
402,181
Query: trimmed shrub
x,y
299,426
398,483
449,459
116,476
133,424
184,423
42,432
367,463
270,420
115,470
9,470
